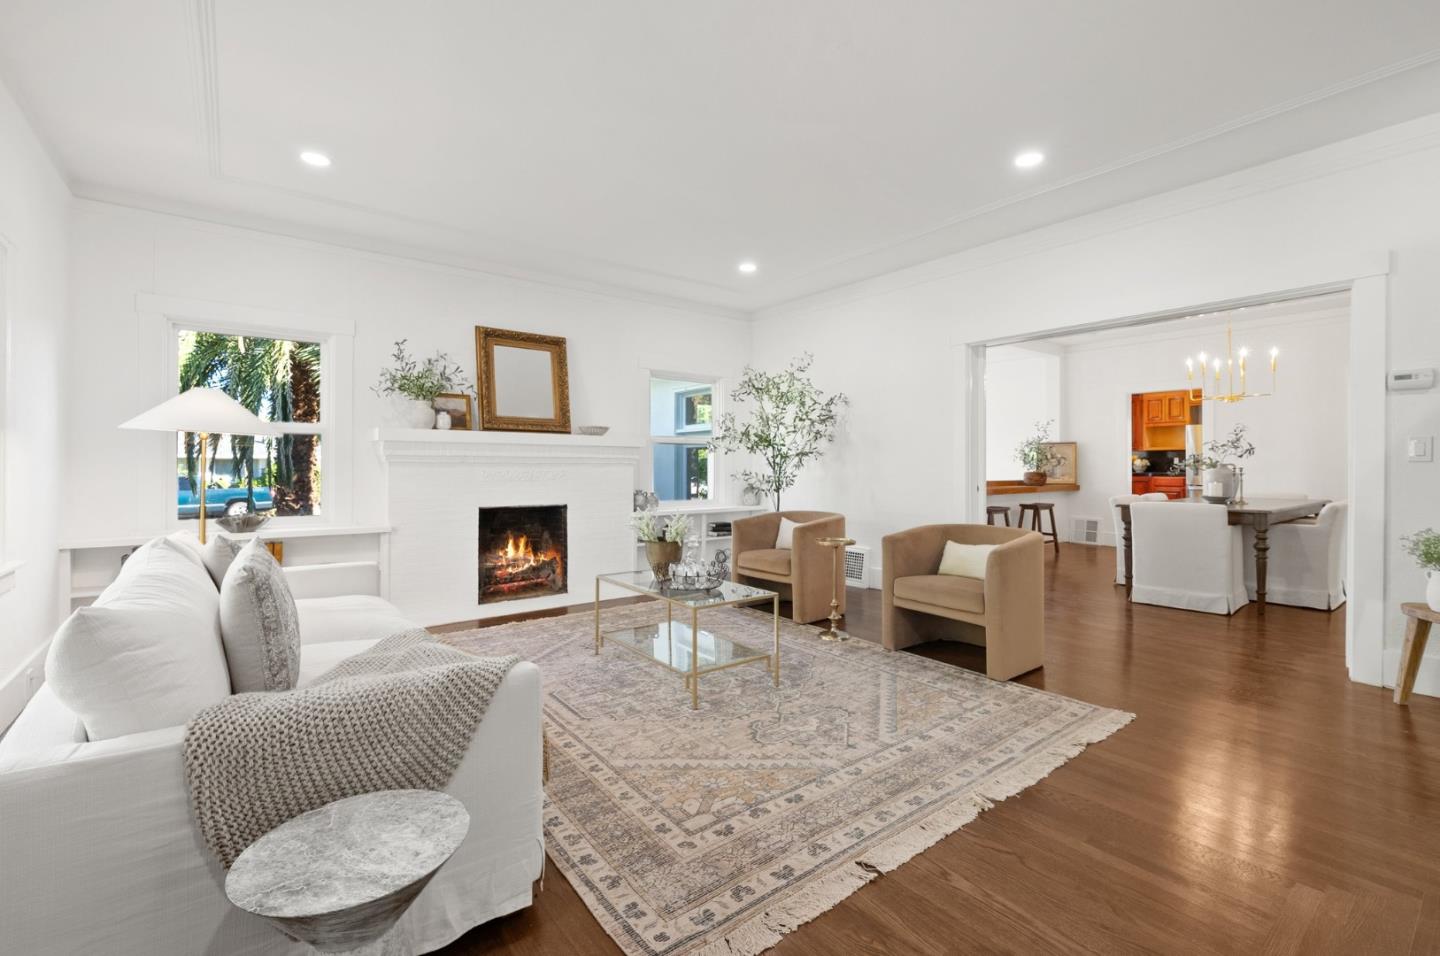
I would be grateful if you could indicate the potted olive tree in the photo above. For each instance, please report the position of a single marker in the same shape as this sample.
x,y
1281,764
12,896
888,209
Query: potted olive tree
x,y
411,386
1424,547
1037,456
791,424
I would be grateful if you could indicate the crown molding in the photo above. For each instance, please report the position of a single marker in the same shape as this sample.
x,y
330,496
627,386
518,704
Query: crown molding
x,y
1413,136
332,241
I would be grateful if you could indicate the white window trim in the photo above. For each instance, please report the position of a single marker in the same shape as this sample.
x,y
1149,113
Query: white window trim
x,y
716,456
164,317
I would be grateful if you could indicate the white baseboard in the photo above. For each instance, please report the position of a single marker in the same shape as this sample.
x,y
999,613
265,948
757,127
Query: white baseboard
x,y
1427,682
22,684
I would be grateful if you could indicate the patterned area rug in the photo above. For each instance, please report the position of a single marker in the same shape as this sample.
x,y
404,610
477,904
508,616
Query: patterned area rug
x,y
717,831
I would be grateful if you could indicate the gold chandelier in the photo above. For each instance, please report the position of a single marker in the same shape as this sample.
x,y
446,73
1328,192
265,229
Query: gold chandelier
x,y
1232,364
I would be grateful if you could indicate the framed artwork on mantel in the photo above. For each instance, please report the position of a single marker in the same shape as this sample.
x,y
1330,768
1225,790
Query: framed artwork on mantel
x,y
524,382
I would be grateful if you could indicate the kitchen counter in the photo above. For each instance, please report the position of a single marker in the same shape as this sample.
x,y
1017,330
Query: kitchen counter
x,y
1020,488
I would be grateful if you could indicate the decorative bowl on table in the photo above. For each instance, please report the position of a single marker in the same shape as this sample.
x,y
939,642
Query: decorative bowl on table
x,y
692,583
242,523
1216,499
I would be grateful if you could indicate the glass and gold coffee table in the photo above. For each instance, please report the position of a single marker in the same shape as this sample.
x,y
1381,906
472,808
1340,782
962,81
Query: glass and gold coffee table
x,y
683,647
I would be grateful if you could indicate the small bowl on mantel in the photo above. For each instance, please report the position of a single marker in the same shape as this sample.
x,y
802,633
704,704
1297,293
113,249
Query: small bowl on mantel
x,y
242,523
591,429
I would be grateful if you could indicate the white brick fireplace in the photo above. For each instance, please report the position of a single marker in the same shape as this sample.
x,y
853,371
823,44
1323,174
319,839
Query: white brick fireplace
x,y
436,482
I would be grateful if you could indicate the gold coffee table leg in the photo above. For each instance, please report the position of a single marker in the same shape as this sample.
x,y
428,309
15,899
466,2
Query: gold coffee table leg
x,y
694,659
775,610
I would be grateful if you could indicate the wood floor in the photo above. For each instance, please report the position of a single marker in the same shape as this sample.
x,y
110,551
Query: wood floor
x,y
1259,803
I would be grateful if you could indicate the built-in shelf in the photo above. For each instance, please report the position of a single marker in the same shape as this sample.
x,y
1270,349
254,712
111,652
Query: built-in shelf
x,y
267,533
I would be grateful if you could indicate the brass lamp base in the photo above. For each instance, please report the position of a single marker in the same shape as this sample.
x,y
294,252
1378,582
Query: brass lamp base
x,y
833,633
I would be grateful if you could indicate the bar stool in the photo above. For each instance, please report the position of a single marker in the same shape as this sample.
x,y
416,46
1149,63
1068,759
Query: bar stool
x,y
1036,508
1002,510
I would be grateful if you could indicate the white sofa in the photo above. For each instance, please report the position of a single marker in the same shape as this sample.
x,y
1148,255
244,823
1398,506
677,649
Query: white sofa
x,y
98,853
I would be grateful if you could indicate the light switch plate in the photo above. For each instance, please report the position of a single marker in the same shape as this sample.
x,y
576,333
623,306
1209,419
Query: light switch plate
x,y
1421,449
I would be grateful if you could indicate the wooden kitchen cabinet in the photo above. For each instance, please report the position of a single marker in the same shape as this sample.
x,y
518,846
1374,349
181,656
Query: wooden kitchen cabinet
x,y
1139,484
1172,485
1177,408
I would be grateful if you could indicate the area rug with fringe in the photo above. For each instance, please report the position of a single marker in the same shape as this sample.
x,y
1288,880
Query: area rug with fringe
x,y
718,830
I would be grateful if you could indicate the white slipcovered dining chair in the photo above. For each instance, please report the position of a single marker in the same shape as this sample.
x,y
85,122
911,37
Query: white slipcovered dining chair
x,y
1115,502
1306,560
1186,555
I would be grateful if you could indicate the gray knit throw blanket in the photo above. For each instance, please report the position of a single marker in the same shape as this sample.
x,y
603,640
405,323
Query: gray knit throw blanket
x,y
397,716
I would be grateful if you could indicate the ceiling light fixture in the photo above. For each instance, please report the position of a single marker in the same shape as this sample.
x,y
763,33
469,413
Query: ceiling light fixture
x,y
1029,159
311,158
747,267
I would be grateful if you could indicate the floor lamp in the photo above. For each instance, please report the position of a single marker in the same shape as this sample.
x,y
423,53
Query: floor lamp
x,y
205,412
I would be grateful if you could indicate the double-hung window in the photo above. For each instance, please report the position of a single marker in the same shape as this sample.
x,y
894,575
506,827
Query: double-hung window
x,y
681,413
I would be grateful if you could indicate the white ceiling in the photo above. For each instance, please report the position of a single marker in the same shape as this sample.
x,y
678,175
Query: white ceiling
x,y
653,144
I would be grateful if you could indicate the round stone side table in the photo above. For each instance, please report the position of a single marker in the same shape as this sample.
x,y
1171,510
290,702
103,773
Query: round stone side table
x,y
340,877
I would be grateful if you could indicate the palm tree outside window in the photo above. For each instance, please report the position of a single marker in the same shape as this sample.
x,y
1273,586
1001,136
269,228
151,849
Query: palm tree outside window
x,y
280,381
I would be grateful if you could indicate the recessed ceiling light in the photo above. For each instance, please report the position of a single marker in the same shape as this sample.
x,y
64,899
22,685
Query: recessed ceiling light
x,y
1029,159
747,267
312,158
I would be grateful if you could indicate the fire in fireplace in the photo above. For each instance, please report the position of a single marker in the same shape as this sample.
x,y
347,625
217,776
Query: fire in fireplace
x,y
522,552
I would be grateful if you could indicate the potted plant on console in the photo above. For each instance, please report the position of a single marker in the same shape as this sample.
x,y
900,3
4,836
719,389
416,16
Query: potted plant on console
x,y
1424,547
411,386
1037,456
1218,483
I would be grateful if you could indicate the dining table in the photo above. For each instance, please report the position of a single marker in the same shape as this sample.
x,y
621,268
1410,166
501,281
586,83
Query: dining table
x,y
1256,513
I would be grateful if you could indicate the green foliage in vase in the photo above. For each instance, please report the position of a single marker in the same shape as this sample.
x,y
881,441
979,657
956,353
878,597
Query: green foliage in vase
x,y
791,422
422,381
1424,547
1219,451
1035,453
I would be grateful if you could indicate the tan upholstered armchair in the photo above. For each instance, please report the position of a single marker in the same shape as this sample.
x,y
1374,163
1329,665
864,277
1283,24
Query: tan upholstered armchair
x,y
1005,612
803,574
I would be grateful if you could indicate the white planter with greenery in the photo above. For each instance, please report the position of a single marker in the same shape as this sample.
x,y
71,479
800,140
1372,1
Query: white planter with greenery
x,y
1215,467
410,387
1424,547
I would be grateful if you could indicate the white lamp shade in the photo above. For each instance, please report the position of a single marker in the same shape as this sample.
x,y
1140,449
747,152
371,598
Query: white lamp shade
x,y
206,410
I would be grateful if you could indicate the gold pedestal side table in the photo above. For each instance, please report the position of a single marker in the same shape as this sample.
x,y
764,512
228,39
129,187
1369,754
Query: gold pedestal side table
x,y
837,545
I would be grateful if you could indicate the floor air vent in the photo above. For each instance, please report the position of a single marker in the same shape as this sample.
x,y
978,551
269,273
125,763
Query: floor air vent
x,y
1087,530
857,561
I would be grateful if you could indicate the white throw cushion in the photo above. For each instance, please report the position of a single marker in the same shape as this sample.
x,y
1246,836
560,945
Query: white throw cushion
x,y
965,560
785,538
218,554
189,543
259,623
147,654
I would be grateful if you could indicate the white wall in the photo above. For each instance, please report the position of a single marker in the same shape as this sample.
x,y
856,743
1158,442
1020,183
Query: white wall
x,y
896,343
119,253
1296,432
33,224
1022,388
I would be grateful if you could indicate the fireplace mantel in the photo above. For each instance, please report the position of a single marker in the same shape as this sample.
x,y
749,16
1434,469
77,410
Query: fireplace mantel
x,y
419,445
436,482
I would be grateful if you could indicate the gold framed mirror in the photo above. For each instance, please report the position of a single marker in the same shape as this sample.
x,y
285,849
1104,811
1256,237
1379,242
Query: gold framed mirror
x,y
524,382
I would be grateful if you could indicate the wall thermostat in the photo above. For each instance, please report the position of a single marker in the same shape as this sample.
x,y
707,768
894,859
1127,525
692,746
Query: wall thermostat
x,y
1412,380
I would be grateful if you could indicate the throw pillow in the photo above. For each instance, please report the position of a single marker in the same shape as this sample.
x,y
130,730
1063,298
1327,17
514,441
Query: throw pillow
x,y
785,539
258,623
965,560
219,552
147,653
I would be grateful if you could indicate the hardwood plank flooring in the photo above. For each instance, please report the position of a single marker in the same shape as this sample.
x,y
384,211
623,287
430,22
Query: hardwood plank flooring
x,y
1259,803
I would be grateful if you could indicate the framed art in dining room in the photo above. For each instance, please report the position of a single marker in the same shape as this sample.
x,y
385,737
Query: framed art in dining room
x,y
523,381
457,404
1067,464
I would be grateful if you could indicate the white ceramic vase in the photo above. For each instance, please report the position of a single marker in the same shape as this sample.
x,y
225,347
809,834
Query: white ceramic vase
x,y
1432,590
1224,477
410,412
